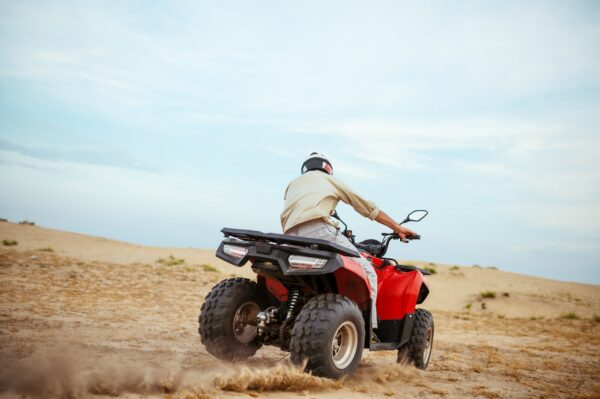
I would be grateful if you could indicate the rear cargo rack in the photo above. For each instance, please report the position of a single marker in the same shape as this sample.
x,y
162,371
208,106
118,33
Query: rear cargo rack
x,y
313,243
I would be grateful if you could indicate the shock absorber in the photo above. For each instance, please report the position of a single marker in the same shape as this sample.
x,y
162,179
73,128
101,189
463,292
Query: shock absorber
x,y
292,301
294,294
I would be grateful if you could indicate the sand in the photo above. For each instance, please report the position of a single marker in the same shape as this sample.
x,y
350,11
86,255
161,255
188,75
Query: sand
x,y
85,316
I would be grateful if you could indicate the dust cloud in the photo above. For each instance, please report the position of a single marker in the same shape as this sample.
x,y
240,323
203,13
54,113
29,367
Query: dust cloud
x,y
67,371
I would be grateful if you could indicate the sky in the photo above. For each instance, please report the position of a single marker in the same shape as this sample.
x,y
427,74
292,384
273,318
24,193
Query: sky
x,y
161,122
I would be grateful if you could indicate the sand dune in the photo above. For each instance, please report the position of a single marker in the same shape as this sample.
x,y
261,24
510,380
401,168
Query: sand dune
x,y
94,316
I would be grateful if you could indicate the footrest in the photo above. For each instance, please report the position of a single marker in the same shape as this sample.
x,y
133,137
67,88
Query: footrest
x,y
383,346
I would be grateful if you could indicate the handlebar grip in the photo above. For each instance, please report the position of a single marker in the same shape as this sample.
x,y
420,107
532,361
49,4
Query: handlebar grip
x,y
396,236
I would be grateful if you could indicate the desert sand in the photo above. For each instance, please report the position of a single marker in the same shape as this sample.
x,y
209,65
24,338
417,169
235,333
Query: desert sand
x,y
85,316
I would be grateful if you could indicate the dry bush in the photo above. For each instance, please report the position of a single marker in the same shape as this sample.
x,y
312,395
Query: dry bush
x,y
488,294
9,243
170,261
209,268
570,316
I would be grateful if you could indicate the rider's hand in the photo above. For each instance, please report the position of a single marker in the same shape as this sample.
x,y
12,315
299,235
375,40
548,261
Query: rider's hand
x,y
385,220
403,232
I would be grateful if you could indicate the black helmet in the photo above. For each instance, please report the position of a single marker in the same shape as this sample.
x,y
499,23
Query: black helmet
x,y
317,161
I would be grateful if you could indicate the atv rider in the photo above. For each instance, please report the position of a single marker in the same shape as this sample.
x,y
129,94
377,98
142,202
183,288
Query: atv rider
x,y
310,200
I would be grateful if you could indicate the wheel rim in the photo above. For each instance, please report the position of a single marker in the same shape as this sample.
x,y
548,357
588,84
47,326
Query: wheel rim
x,y
427,349
244,315
344,345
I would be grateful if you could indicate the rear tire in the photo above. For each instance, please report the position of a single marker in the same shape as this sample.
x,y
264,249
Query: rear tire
x,y
329,334
221,321
421,339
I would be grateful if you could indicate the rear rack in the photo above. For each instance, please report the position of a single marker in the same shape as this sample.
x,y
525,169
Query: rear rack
x,y
313,243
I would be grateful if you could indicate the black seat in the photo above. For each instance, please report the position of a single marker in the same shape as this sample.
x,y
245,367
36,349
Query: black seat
x,y
372,247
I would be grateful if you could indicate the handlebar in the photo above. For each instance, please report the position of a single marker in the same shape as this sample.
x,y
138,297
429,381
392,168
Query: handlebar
x,y
395,236
387,237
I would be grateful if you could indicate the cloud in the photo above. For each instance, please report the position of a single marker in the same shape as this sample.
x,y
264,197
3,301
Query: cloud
x,y
109,192
545,169
206,56
83,153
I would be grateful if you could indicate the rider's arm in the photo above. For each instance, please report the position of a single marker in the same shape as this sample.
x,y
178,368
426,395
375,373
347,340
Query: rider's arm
x,y
385,220
343,192
368,208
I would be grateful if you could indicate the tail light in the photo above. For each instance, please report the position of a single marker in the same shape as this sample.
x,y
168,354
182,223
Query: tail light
x,y
306,262
235,251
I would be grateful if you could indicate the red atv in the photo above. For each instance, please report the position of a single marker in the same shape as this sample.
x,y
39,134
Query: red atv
x,y
311,298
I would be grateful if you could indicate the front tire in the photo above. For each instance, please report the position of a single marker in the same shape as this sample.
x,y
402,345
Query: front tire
x,y
421,339
223,316
329,334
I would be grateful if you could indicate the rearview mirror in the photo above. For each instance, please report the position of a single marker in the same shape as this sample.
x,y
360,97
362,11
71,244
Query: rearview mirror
x,y
415,216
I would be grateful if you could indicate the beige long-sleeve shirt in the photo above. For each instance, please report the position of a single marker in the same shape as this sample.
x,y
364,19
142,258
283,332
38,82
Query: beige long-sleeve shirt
x,y
314,195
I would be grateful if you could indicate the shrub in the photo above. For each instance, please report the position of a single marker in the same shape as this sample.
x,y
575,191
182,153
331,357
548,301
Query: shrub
x,y
506,294
492,267
468,306
27,222
9,243
430,269
570,316
3,220
501,316
596,319
455,268
432,264
476,266
488,294
47,249
209,268
170,261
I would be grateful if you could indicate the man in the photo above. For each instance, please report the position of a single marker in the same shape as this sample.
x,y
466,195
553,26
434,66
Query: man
x,y
311,199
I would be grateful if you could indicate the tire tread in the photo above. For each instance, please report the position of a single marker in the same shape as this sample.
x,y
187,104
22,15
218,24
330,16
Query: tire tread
x,y
312,330
416,345
215,313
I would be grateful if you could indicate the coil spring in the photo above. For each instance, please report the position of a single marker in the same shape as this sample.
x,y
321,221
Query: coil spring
x,y
292,301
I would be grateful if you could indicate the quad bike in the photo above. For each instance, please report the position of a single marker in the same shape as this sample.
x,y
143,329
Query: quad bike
x,y
311,298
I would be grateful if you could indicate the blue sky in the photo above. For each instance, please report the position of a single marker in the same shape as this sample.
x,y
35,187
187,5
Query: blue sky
x,y
161,122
